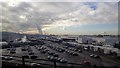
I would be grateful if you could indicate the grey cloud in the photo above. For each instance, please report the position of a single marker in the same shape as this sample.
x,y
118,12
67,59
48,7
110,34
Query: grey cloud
x,y
45,13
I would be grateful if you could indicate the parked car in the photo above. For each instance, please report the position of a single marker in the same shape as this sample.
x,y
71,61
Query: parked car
x,y
31,53
94,56
33,56
86,63
85,48
12,52
8,58
2,57
80,51
26,56
63,61
55,55
43,51
35,64
74,54
51,53
58,59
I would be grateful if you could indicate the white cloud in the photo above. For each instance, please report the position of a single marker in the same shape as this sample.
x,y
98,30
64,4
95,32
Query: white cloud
x,y
62,0
49,15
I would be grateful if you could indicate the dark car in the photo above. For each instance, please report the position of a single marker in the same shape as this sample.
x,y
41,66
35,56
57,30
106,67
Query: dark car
x,y
55,55
51,53
74,54
23,49
33,56
3,57
25,56
12,52
43,51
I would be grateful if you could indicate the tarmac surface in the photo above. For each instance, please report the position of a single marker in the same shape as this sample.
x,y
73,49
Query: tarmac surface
x,y
80,59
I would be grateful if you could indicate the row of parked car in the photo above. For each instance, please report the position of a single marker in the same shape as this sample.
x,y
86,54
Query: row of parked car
x,y
71,53
57,59
6,58
12,50
30,52
51,55
80,51
58,49
72,48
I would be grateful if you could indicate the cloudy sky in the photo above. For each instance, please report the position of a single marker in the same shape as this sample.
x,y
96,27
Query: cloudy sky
x,y
60,17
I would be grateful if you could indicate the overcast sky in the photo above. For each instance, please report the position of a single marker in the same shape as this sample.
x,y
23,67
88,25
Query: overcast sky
x,y
60,17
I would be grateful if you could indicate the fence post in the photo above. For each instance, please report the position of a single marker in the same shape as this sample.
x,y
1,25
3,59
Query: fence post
x,y
23,60
55,64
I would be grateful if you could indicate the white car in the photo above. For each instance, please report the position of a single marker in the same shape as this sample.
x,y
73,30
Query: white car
x,y
85,48
8,58
63,60
35,64
2,57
